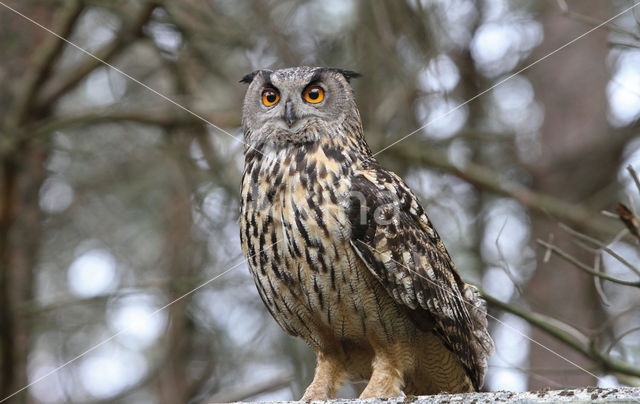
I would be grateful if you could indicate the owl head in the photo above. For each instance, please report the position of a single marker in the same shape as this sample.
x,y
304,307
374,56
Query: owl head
x,y
296,105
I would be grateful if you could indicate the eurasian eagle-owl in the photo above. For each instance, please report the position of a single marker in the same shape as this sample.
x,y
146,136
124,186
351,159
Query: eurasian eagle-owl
x,y
341,251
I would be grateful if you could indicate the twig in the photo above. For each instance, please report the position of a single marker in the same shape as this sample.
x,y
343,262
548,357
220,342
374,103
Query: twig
x,y
609,214
619,338
585,267
597,281
623,44
601,246
565,334
591,21
634,175
547,253
609,322
505,263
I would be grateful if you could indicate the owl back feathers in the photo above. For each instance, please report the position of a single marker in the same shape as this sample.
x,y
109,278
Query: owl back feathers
x,y
398,244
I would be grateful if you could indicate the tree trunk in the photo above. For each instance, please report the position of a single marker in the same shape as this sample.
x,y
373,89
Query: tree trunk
x,y
22,173
572,167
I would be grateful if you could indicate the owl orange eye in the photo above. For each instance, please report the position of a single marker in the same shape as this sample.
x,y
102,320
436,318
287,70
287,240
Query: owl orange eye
x,y
314,94
270,97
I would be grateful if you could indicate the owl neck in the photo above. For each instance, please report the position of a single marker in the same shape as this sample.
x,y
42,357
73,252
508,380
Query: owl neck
x,y
347,138
352,126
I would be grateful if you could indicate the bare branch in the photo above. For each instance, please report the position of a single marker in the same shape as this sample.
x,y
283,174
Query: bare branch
x,y
42,63
634,175
597,281
62,85
591,21
504,263
586,268
162,117
159,117
567,335
619,338
601,246
485,178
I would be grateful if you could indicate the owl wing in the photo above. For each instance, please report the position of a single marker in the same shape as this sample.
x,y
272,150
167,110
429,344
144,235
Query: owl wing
x,y
393,236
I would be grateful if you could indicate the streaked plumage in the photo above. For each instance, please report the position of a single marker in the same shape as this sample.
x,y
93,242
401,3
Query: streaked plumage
x,y
343,254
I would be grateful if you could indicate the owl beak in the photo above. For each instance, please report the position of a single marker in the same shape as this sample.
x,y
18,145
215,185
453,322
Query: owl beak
x,y
289,115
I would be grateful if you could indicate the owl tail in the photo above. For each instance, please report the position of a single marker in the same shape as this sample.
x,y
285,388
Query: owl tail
x,y
483,344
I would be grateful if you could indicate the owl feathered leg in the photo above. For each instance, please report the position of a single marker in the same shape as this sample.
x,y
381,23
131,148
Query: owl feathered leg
x,y
328,379
387,379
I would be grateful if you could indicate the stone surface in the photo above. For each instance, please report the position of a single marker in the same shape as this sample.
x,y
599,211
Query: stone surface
x,y
582,395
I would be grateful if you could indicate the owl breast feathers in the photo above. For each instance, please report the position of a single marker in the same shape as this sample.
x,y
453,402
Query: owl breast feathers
x,y
341,251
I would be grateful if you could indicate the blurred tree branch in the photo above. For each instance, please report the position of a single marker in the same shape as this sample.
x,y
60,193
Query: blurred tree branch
x,y
568,335
42,64
489,180
600,246
586,268
591,21
243,393
163,117
564,332
124,37
21,176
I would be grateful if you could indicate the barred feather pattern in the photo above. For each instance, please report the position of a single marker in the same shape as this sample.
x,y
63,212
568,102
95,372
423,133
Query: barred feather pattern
x,y
400,246
344,256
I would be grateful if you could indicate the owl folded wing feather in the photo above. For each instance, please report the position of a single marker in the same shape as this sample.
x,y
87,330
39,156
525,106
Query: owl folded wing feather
x,y
393,236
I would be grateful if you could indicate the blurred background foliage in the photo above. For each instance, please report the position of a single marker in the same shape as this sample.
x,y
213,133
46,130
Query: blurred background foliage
x,y
118,209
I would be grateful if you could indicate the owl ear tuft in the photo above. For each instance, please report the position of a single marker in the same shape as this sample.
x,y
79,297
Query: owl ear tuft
x,y
348,74
249,77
